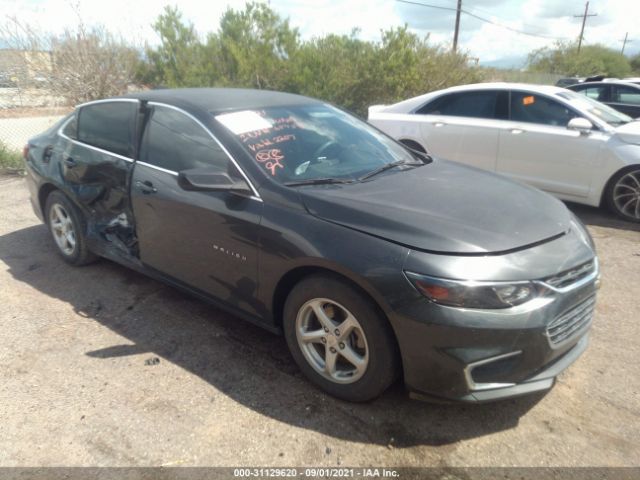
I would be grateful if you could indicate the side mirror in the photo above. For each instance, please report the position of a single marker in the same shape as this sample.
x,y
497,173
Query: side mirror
x,y
208,180
581,125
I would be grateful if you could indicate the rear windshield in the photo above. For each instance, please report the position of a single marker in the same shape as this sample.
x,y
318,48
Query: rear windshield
x,y
306,142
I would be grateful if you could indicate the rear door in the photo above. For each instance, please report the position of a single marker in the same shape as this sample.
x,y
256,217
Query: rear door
x,y
464,126
206,240
537,148
96,165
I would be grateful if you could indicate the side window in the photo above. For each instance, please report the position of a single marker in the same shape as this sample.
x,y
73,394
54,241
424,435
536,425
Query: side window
x,y
533,108
597,92
110,126
175,142
71,128
627,95
480,104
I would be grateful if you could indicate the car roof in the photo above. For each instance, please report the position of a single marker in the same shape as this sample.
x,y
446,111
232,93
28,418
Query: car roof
x,y
221,99
412,103
606,82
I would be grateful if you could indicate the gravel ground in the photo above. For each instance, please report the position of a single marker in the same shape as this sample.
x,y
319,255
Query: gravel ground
x,y
102,366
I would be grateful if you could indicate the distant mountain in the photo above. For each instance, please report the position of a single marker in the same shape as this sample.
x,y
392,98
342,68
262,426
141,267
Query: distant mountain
x,y
516,62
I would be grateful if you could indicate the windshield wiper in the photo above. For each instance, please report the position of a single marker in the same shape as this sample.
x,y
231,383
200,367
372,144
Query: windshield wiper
x,y
318,181
388,166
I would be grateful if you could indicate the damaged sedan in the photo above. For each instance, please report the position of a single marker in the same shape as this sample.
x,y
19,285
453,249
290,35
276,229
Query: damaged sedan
x,y
376,262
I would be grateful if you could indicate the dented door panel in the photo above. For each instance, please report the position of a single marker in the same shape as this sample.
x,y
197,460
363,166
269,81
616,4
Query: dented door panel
x,y
99,180
100,183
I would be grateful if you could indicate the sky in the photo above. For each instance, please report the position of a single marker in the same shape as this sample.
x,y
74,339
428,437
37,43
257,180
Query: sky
x,y
505,33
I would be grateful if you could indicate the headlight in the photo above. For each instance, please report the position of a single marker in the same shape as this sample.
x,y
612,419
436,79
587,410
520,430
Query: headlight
x,y
472,294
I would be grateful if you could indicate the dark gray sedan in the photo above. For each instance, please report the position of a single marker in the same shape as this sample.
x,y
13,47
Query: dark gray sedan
x,y
375,261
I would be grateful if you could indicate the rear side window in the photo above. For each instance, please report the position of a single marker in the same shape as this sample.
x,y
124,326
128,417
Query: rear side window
x,y
533,108
175,142
626,95
71,128
480,104
109,126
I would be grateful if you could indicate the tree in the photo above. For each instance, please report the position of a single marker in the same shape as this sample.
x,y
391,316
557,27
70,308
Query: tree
x,y
179,60
256,47
89,65
564,59
79,65
635,63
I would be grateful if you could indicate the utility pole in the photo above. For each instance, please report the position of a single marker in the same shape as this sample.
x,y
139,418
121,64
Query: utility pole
x,y
624,42
455,34
584,20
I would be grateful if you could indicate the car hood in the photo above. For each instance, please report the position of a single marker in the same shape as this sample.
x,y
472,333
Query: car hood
x,y
629,132
442,207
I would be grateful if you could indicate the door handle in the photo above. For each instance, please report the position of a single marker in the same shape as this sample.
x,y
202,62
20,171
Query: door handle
x,y
70,162
438,124
517,131
146,187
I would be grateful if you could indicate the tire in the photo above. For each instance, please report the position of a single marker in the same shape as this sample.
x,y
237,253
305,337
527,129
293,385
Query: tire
x,y
622,196
366,355
67,227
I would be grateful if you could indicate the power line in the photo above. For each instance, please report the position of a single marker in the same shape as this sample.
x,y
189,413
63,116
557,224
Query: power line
x,y
584,20
483,19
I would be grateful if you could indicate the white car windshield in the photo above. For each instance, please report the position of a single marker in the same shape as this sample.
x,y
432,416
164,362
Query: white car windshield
x,y
595,108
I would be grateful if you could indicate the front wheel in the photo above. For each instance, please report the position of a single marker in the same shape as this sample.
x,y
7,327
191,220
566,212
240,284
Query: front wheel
x,y
623,194
339,339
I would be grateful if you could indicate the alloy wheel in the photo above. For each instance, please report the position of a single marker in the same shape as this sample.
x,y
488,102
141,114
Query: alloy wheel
x,y
332,340
626,194
62,229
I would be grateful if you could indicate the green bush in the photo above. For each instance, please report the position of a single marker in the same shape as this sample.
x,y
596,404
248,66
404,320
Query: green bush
x,y
257,48
10,160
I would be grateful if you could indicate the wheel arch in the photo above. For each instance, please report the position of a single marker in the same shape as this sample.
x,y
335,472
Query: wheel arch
x,y
43,193
608,184
296,274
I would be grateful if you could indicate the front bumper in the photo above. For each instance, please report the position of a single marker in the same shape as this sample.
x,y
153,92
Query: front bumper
x,y
540,382
473,355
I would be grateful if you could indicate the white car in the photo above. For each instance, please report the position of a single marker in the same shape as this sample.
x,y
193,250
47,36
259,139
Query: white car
x,y
557,140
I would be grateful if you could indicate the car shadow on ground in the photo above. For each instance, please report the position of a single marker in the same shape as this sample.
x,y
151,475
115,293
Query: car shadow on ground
x,y
601,217
244,362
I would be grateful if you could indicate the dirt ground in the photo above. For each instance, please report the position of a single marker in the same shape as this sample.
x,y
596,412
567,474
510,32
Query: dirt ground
x,y
102,366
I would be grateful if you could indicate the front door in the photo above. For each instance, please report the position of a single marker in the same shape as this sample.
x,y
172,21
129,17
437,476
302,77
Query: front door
x,y
206,240
537,148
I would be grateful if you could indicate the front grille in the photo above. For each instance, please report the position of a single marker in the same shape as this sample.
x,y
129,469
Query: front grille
x,y
571,321
572,275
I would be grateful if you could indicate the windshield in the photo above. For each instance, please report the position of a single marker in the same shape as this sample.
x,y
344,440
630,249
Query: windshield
x,y
595,108
307,142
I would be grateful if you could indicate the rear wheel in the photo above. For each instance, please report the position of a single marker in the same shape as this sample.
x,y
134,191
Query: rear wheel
x,y
67,229
339,339
623,194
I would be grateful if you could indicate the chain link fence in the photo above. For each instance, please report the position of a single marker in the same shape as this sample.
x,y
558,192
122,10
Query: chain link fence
x,y
24,113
